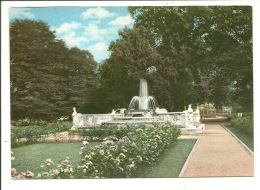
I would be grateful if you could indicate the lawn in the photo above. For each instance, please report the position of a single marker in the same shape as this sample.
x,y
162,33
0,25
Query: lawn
x,y
172,161
246,139
31,157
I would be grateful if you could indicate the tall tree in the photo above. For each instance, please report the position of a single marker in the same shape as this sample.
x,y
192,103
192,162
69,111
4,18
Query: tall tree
x,y
81,77
40,72
217,39
133,52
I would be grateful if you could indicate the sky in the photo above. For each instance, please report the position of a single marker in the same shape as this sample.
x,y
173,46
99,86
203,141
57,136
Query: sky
x,y
88,28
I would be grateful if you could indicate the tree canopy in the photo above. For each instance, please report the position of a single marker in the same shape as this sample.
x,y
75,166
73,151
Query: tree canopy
x,y
47,78
218,42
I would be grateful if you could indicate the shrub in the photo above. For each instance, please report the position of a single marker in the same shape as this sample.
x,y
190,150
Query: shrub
x,y
31,134
102,132
129,155
244,124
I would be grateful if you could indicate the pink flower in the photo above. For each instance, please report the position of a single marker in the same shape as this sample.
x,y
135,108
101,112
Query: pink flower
x,y
64,162
13,172
80,167
19,177
66,171
29,174
48,162
56,172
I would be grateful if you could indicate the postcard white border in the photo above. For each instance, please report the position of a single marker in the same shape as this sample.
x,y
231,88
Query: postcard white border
x,y
156,183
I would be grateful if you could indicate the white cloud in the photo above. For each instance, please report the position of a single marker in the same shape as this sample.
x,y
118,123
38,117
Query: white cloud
x,y
21,12
28,15
95,33
121,21
99,51
67,27
96,13
71,40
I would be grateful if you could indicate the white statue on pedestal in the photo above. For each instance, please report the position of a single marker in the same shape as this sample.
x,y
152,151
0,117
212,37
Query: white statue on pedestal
x,y
74,119
190,112
197,116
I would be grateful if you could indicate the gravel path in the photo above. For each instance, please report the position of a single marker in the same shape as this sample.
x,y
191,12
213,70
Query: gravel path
x,y
217,154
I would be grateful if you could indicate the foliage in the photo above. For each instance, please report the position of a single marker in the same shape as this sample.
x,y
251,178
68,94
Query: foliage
x,y
207,106
32,134
133,57
172,47
47,78
114,89
244,124
64,170
218,44
103,132
133,51
126,157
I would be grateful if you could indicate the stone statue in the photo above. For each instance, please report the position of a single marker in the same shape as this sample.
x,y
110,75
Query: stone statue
x,y
74,118
190,112
113,111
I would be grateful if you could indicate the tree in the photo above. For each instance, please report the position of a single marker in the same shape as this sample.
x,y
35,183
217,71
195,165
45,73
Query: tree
x,y
41,82
131,58
217,40
81,77
114,89
133,51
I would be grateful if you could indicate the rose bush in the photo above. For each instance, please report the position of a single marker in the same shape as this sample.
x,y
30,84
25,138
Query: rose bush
x,y
130,154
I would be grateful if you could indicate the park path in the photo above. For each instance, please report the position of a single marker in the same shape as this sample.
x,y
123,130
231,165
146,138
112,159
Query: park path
x,y
218,153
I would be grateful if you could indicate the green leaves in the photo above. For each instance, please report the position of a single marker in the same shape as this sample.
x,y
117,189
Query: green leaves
x,y
47,78
244,124
133,52
218,43
33,133
128,156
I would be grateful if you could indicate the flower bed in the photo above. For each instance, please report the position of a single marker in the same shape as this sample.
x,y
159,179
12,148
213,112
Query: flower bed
x,y
32,134
119,157
128,156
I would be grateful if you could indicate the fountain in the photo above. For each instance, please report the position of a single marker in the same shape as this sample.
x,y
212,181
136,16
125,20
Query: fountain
x,y
143,109
143,103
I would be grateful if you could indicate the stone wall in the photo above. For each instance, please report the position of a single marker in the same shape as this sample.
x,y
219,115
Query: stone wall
x,y
184,119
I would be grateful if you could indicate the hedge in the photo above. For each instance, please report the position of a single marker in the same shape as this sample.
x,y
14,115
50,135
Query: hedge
x,y
244,124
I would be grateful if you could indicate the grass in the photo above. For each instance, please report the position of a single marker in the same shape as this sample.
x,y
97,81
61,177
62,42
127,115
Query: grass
x,y
246,139
171,163
31,157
